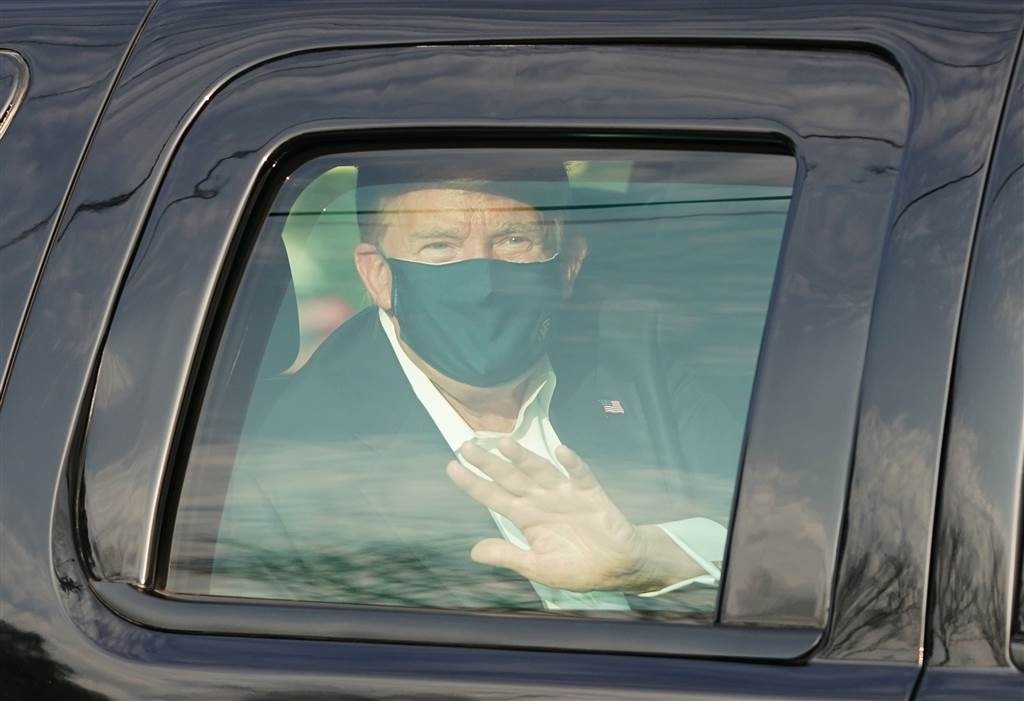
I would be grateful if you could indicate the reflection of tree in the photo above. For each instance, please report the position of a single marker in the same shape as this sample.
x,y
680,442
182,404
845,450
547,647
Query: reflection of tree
x,y
28,672
390,533
880,597
969,573
375,572
386,573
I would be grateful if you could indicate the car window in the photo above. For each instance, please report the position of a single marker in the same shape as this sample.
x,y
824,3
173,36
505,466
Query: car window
x,y
511,379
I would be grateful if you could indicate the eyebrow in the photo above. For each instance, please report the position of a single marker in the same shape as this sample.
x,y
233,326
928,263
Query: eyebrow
x,y
437,233
457,235
519,227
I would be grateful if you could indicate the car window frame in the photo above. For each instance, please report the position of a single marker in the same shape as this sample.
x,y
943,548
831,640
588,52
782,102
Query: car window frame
x,y
131,591
268,221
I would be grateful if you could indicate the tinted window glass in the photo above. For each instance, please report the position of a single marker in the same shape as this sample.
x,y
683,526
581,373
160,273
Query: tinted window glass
x,y
490,378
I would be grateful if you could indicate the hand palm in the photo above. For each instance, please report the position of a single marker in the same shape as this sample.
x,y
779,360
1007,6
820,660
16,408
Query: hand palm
x,y
579,540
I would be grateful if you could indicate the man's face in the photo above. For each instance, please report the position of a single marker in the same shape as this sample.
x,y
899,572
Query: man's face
x,y
445,225
448,225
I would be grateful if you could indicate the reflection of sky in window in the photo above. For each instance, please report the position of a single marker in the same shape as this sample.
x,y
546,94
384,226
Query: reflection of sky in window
x,y
321,255
706,254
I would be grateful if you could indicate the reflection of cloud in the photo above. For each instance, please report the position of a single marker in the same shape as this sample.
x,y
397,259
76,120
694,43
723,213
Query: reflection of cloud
x,y
116,495
805,548
114,382
16,566
1006,214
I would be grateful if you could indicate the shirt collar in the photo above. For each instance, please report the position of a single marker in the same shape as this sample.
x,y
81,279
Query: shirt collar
x,y
452,426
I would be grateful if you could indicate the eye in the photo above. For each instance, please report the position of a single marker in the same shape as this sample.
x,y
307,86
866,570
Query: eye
x,y
517,241
436,251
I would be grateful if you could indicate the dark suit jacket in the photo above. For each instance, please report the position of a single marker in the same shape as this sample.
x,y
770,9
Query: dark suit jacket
x,y
339,492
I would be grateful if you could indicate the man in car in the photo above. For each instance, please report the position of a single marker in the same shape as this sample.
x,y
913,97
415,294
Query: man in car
x,y
467,263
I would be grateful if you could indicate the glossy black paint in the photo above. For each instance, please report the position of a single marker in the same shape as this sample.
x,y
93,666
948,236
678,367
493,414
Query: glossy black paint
x,y
978,535
882,587
437,627
72,66
952,684
955,58
803,420
138,662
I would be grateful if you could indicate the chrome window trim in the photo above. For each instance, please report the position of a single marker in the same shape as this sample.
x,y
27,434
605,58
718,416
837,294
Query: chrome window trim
x,y
20,74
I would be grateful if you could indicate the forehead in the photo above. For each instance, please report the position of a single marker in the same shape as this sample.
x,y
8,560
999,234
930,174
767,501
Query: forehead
x,y
439,204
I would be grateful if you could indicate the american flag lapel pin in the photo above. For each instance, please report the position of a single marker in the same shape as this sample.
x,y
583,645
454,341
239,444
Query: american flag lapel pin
x,y
612,406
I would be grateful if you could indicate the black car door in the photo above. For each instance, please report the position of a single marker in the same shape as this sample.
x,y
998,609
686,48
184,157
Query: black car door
x,y
976,616
825,576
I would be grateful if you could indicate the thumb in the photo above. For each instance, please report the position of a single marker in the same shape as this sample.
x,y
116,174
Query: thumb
x,y
500,553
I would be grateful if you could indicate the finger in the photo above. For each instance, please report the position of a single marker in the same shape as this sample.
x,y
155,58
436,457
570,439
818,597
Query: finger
x,y
500,553
537,468
490,494
574,465
501,471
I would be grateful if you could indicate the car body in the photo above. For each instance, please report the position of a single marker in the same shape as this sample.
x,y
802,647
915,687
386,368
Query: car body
x,y
876,542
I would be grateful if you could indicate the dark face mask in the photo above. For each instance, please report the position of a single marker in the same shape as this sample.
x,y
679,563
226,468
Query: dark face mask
x,y
482,322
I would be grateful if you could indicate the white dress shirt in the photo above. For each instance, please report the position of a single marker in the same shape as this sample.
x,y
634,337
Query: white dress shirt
x,y
701,538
